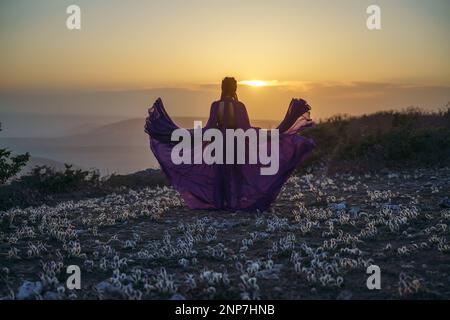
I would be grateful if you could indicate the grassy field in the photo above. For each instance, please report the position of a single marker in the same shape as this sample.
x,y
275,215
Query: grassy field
x,y
316,243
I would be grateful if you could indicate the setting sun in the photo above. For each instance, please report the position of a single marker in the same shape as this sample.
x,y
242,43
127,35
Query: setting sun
x,y
254,83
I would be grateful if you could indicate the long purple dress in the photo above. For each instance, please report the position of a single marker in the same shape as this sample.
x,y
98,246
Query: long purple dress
x,y
230,186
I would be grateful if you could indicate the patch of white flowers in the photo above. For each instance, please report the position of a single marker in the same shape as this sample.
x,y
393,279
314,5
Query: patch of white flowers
x,y
146,245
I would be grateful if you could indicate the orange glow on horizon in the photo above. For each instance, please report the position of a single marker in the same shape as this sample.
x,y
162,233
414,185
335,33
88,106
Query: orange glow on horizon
x,y
258,83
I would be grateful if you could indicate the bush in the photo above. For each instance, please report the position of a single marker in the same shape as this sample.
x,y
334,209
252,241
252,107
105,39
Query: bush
x,y
11,165
47,180
141,179
45,185
382,140
425,146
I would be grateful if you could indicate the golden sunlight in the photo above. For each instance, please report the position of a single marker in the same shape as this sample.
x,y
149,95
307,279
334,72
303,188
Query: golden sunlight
x,y
254,83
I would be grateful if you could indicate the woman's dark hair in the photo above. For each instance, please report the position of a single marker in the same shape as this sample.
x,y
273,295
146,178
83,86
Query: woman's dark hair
x,y
229,87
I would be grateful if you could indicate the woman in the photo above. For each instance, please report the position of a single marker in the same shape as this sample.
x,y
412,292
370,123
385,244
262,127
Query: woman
x,y
230,186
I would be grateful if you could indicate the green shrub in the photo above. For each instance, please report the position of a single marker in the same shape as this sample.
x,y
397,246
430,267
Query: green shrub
x,y
427,145
47,180
382,140
11,165
141,179
45,185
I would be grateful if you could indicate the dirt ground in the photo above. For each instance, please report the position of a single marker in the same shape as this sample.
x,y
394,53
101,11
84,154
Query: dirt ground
x,y
316,243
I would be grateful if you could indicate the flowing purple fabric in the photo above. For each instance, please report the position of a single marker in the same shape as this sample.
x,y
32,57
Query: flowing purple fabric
x,y
230,186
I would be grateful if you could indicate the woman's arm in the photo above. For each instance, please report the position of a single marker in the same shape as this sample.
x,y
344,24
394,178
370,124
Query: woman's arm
x,y
297,108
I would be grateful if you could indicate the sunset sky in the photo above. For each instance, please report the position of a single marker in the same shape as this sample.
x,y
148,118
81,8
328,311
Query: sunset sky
x,y
308,48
